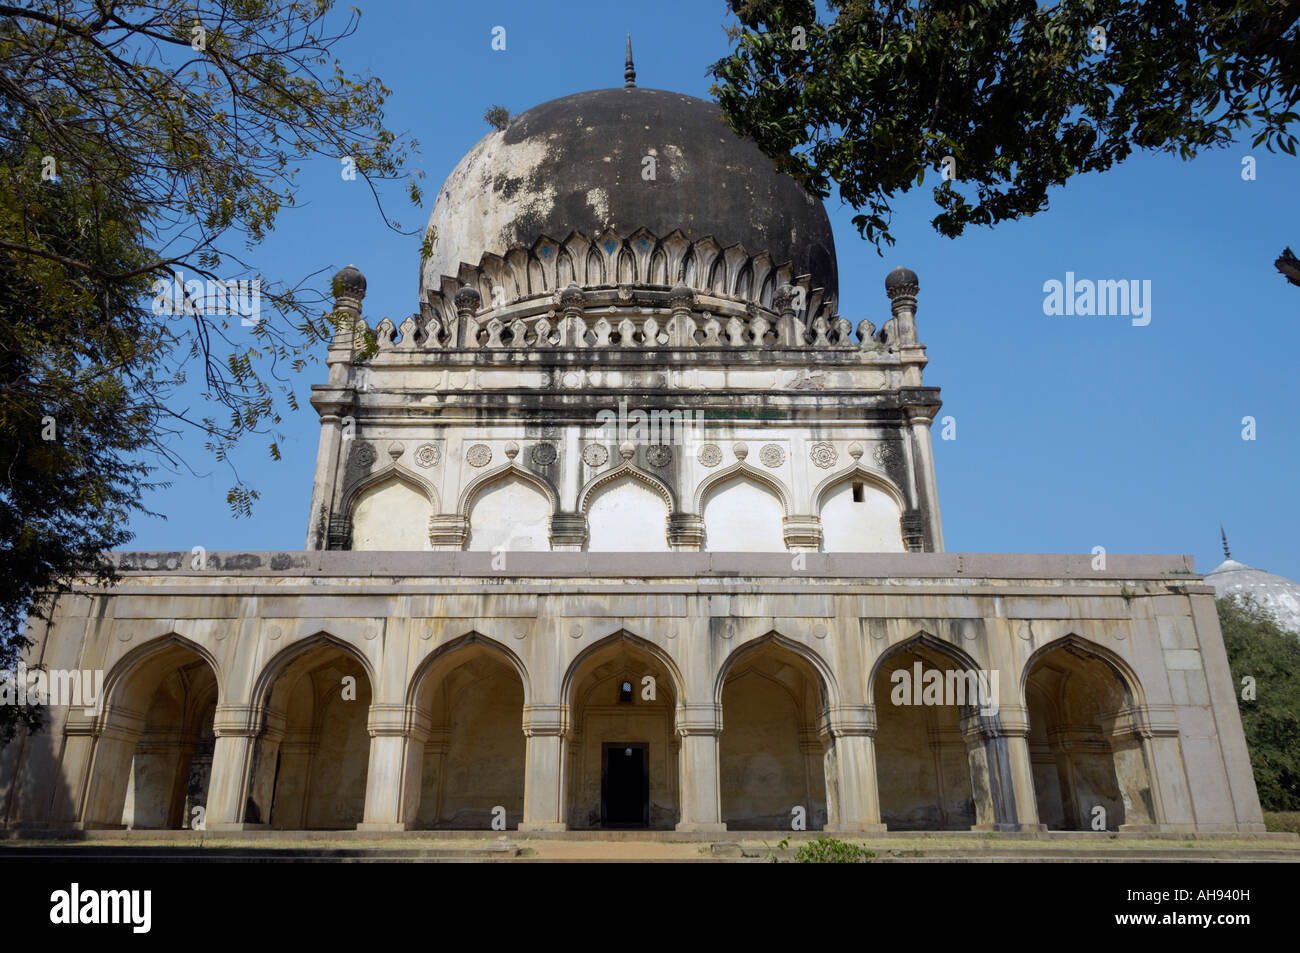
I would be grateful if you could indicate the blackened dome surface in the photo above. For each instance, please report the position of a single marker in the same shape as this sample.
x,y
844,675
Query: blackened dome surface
x,y
576,164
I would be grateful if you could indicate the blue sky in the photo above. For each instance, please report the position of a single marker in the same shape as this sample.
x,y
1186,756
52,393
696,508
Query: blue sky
x,y
1071,432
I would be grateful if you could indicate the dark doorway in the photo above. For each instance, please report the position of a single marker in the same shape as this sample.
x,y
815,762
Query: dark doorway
x,y
624,785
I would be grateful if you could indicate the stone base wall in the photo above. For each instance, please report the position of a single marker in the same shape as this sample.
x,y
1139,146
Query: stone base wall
x,y
768,690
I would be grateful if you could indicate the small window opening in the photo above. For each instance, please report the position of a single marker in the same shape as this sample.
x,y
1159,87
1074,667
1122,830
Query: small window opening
x,y
857,493
625,693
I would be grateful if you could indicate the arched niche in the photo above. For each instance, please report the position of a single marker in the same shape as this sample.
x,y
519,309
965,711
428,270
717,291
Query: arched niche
x,y
153,757
860,515
473,763
391,514
627,515
743,515
772,755
510,513
1090,761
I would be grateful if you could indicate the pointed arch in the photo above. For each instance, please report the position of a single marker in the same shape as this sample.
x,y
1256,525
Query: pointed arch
x,y
504,472
742,468
395,471
119,676
636,642
279,663
1128,678
924,639
875,477
443,652
626,471
825,674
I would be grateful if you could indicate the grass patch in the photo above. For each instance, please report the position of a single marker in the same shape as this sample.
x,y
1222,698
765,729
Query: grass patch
x,y
1286,821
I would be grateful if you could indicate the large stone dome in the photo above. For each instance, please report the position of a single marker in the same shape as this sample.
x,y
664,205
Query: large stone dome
x,y
577,164
1277,594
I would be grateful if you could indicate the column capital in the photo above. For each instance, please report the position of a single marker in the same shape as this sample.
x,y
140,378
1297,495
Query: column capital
x,y
541,721
568,531
802,532
448,531
692,720
236,721
847,720
405,721
1008,723
685,532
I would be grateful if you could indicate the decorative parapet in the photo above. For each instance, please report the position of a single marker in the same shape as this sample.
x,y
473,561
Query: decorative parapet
x,y
635,292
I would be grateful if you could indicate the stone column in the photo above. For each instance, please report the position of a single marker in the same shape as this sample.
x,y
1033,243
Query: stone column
x,y
544,769
110,769
853,732
468,301
699,775
73,777
573,328
789,330
681,327
331,455
920,418
262,776
236,729
397,737
1128,736
1002,774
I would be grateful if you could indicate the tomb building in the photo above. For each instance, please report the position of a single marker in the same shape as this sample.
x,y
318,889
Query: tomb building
x,y
630,523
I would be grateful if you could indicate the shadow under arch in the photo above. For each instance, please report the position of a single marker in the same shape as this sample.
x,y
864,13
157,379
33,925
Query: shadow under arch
x,y
127,667
622,636
773,764
279,663
926,640
825,676
621,748
441,654
310,760
152,755
932,770
1128,679
1088,741
468,763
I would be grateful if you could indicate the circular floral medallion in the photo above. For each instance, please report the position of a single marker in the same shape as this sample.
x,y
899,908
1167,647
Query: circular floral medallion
x,y
772,455
478,455
427,455
882,453
659,455
594,455
710,455
363,455
824,455
544,454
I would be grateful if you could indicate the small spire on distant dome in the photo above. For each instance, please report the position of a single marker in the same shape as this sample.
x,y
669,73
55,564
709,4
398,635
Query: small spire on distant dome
x,y
629,71
1226,554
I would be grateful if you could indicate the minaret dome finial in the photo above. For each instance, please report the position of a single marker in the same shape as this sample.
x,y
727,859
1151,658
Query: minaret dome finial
x,y
629,71
1226,554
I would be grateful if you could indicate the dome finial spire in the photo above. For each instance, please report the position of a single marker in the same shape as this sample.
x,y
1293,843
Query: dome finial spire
x,y
629,71
1226,554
